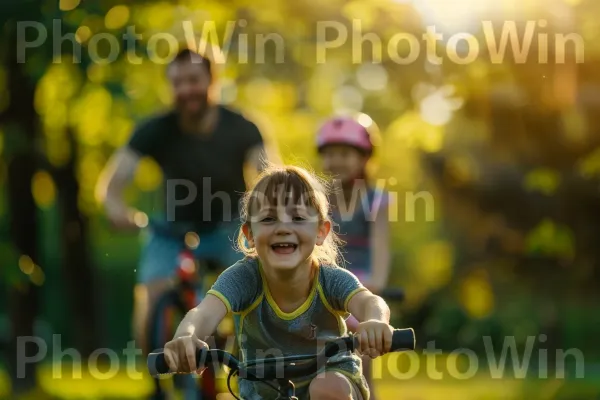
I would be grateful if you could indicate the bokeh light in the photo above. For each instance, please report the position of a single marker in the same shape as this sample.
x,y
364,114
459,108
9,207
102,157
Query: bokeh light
x,y
43,188
67,5
83,34
476,294
348,98
192,240
140,219
37,276
372,77
506,151
116,17
148,176
26,264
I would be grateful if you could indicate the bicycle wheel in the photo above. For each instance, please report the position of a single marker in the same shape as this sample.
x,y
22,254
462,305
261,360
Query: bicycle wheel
x,y
166,317
161,329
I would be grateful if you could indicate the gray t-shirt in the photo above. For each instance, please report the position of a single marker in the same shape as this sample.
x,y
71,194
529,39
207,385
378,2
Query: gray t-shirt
x,y
263,330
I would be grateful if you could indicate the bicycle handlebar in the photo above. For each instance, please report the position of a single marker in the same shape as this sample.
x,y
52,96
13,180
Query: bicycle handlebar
x,y
293,366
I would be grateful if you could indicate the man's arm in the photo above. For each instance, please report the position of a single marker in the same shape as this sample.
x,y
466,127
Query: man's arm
x,y
113,180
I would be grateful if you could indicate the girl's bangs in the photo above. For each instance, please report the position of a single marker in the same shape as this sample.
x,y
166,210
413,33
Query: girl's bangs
x,y
282,189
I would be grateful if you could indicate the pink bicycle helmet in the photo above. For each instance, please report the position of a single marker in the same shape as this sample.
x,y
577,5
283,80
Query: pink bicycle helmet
x,y
346,131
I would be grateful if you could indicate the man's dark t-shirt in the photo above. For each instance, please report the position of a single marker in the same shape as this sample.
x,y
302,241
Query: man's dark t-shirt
x,y
213,164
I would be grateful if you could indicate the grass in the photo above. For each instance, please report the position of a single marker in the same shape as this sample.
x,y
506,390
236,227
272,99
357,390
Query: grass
x,y
134,383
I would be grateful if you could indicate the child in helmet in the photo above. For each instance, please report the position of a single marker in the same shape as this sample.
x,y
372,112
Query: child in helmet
x,y
359,209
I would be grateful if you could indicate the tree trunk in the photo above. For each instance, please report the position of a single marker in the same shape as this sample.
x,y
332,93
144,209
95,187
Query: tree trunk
x,y
77,264
21,118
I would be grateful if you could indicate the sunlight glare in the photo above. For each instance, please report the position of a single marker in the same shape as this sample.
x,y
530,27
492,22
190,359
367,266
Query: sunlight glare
x,y
454,16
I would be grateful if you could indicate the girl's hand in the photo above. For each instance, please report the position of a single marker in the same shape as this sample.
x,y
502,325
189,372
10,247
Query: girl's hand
x,y
375,338
180,354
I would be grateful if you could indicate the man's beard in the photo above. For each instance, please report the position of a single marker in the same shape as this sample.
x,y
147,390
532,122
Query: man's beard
x,y
199,112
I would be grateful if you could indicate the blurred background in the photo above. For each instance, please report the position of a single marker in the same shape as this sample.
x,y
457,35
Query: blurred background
x,y
503,154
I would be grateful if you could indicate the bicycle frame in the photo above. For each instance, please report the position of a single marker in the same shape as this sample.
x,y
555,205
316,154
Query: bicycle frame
x,y
287,387
189,278
184,294
402,339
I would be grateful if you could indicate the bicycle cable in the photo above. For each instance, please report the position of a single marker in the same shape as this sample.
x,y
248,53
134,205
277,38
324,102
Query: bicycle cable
x,y
229,383
237,372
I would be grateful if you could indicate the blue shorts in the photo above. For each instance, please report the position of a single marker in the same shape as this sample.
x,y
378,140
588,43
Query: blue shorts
x,y
160,252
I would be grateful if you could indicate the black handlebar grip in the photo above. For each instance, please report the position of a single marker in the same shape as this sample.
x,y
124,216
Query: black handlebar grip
x,y
157,364
403,339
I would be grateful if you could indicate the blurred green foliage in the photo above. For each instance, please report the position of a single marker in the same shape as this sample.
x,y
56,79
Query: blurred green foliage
x,y
508,152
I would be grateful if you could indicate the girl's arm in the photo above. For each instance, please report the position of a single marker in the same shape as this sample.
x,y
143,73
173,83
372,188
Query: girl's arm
x,y
365,306
374,330
198,324
380,251
203,320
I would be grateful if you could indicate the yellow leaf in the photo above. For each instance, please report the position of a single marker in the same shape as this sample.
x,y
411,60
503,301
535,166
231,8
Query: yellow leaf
x,y
68,5
433,264
83,33
91,114
320,88
418,134
159,16
148,176
116,17
58,150
476,294
43,188
59,83
360,12
551,239
542,180
590,165
120,131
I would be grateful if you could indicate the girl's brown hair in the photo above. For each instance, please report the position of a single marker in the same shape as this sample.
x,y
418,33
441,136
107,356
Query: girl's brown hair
x,y
298,185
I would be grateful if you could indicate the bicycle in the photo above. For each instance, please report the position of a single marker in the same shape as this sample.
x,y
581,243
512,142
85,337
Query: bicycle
x,y
184,294
270,369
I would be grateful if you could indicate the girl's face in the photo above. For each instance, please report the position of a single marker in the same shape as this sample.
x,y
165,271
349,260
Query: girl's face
x,y
343,162
285,236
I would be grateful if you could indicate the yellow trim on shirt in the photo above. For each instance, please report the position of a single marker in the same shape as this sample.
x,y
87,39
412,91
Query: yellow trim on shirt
x,y
247,311
352,293
300,310
341,325
223,299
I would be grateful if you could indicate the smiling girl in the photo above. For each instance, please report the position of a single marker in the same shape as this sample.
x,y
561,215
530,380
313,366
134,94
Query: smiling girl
x,y
288,296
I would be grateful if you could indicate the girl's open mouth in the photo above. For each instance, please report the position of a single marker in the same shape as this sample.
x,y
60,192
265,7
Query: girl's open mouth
x,y
284,248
